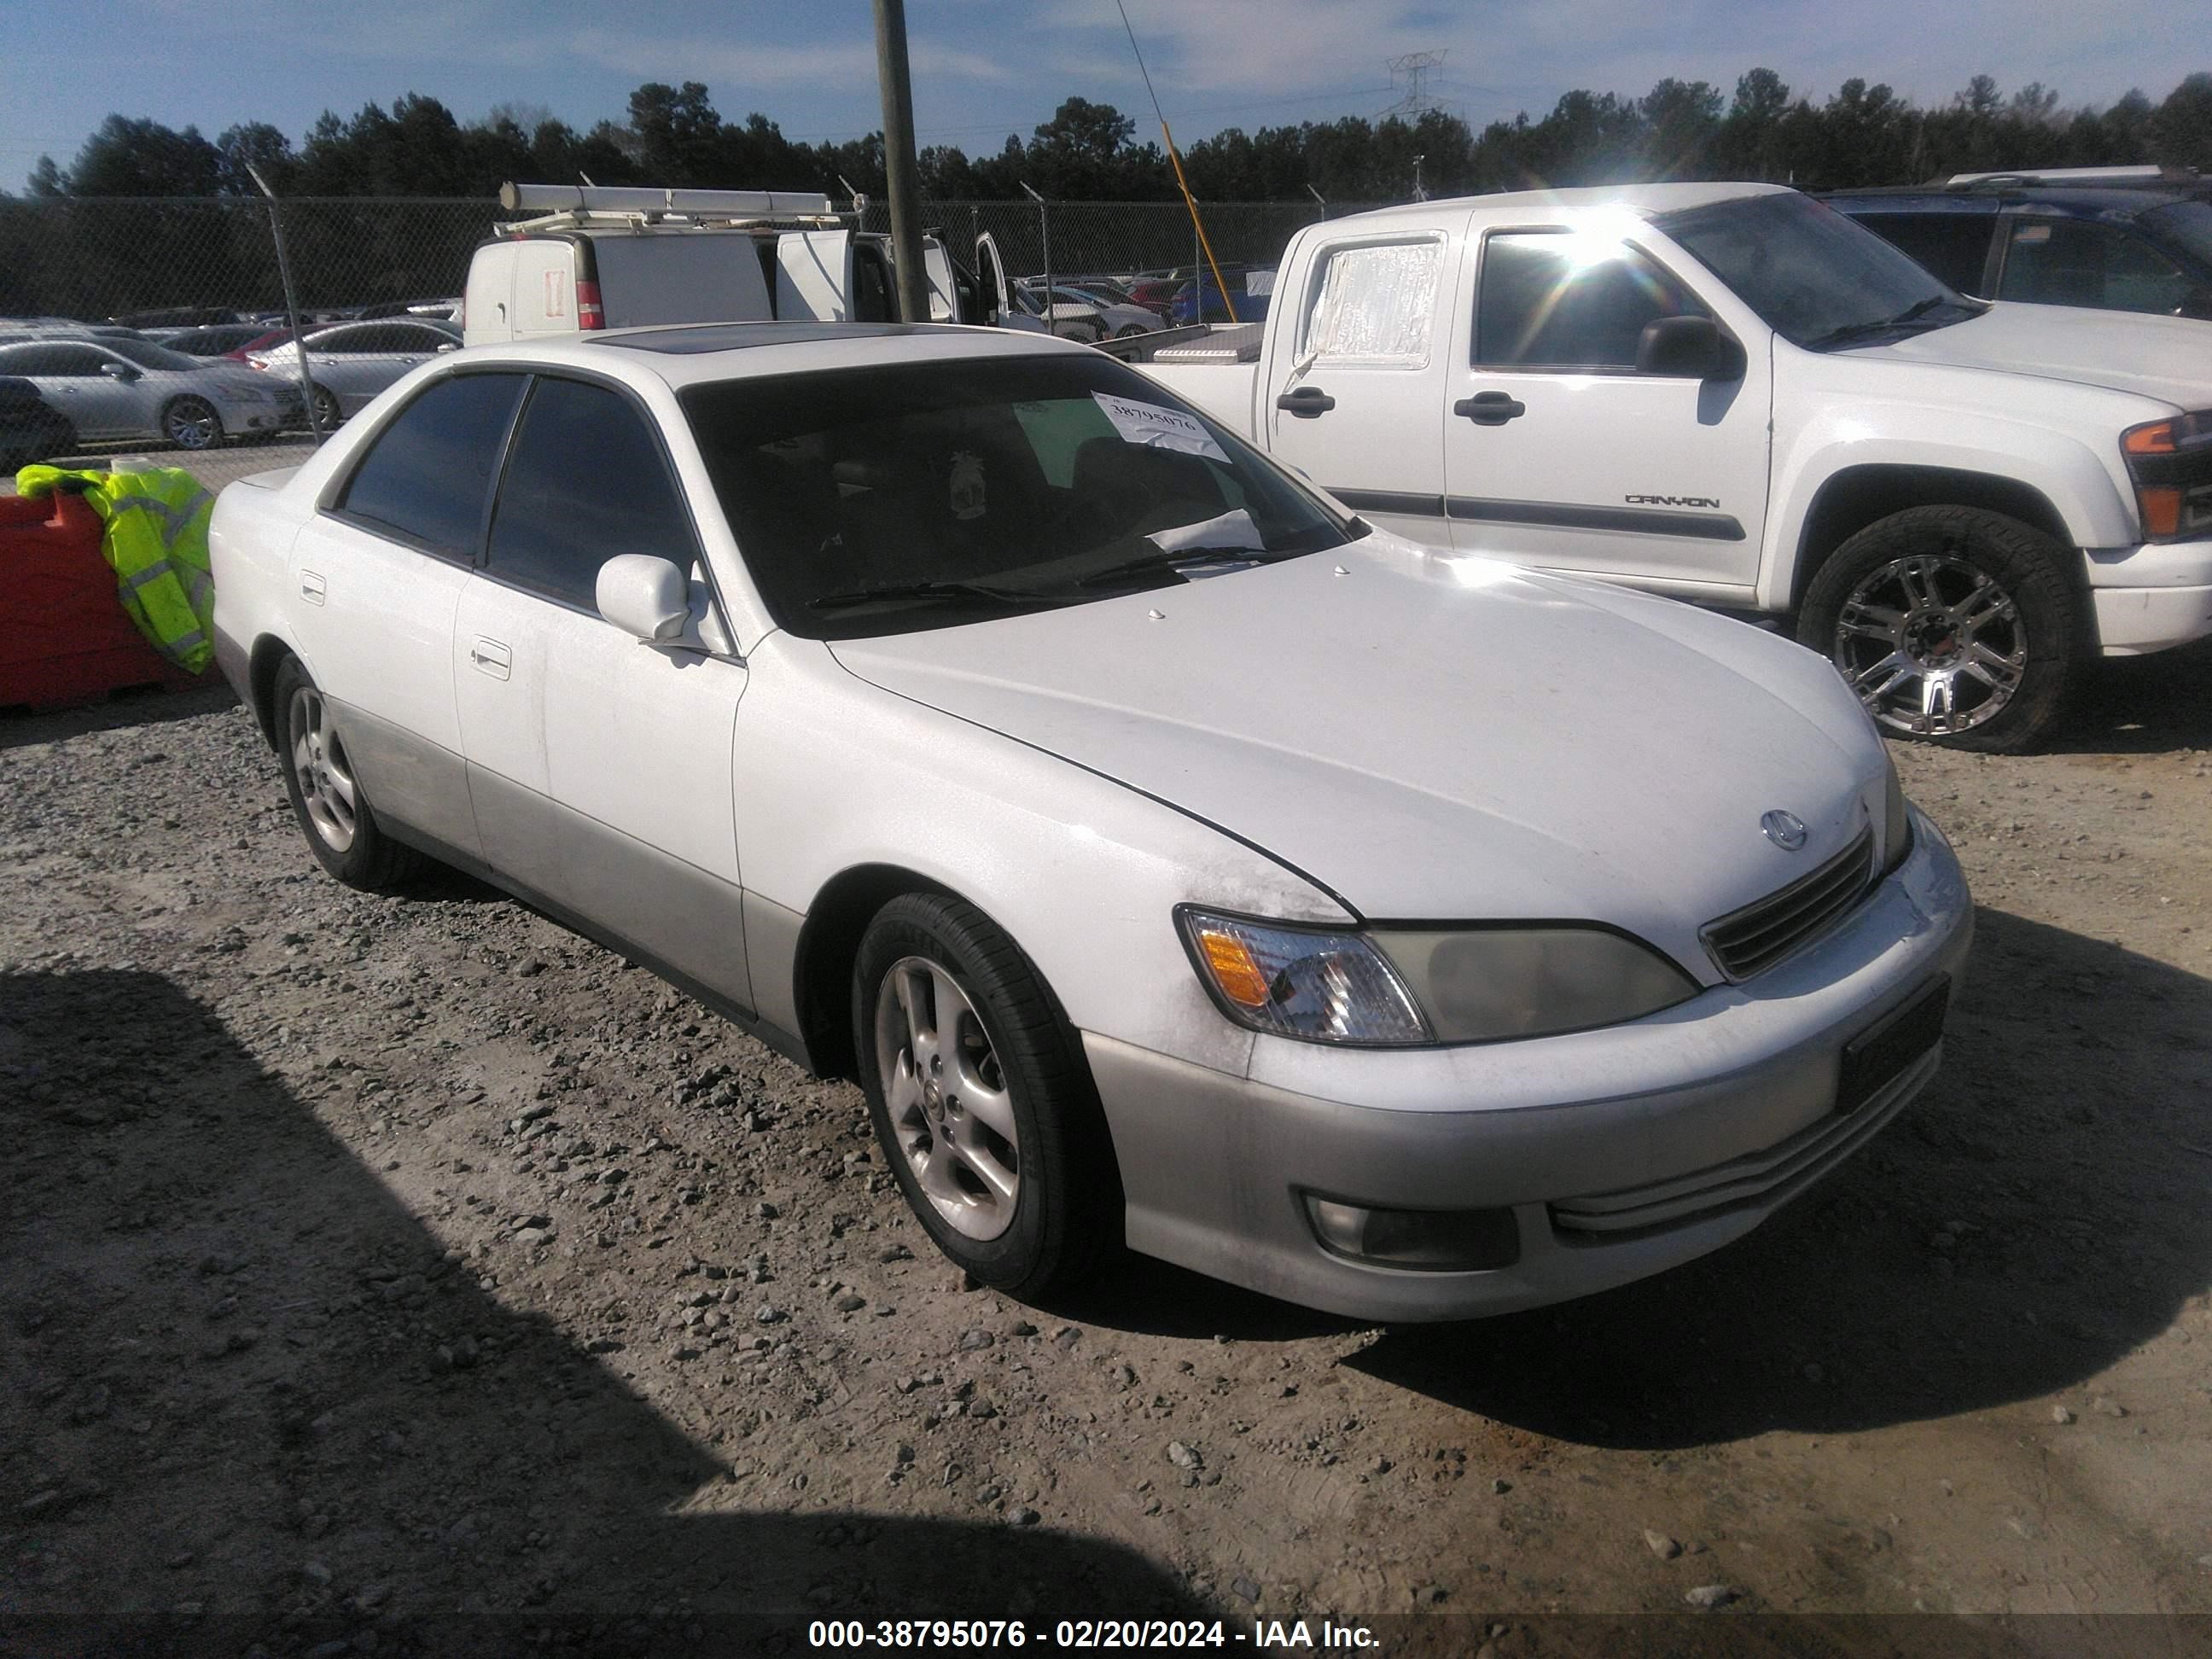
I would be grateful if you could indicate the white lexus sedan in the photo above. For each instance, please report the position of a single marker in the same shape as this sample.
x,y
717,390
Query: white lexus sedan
x,y
1173,858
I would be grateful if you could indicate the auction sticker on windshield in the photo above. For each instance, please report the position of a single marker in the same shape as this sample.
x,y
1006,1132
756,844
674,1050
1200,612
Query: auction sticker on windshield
x,y
1159,429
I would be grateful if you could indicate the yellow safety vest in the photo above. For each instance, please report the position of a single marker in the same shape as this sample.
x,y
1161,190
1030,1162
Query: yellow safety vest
x,y
157,540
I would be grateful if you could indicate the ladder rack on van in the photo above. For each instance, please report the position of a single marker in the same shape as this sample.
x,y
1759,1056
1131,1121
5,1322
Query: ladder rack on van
x,y
637,207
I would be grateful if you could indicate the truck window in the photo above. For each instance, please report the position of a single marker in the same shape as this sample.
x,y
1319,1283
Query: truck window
x,y
1374,303
1568,300
2077,262
680,276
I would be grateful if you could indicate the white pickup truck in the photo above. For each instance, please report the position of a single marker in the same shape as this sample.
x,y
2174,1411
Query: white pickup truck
x,y
1729,393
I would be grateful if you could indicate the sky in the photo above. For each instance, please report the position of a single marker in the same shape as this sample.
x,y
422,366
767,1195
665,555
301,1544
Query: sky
x,y
984,68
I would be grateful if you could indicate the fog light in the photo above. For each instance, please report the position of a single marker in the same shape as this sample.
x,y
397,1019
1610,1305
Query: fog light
x,y
1438,1241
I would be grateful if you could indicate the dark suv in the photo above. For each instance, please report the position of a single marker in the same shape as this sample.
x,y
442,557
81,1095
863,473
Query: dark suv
x,y
2145,247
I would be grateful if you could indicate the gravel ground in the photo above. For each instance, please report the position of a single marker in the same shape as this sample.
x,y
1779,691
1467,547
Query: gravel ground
x,y
372,1267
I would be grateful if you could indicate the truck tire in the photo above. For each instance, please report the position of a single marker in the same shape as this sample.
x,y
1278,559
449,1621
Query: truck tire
x,y
982,1100
1955,625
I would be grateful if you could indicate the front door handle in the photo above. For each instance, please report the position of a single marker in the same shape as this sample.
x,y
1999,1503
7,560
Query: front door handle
x,y
311,587
1306,402
1491,408
491,657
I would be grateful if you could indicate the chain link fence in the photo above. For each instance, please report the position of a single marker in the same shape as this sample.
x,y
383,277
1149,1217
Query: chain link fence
x,y
128,258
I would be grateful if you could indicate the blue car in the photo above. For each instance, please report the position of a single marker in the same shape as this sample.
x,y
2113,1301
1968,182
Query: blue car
x,y
2144,248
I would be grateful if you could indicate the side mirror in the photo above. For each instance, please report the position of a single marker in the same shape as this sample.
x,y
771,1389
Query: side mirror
x,y
647,598
448,346
1688,348
119,371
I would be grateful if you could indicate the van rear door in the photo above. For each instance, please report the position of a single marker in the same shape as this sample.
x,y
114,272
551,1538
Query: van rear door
x,y
680,276
544,287
814,276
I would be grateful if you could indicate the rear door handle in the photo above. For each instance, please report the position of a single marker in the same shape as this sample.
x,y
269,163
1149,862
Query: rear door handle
x,y
1490,408
311,587
1306,402
491,657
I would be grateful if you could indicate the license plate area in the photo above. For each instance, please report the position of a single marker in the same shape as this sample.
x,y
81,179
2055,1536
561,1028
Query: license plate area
x,y
1875,1056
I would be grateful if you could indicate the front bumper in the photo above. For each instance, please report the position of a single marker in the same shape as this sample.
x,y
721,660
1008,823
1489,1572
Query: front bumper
x,y
1697,1123
2151,597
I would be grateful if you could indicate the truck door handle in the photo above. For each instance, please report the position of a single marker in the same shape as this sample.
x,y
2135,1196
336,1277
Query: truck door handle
x,y
311,587
1490,408
1306,402
491,657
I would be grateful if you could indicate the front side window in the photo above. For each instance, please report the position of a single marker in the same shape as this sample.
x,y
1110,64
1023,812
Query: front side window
x,y
2078,262
1568,300
1819,280
1375,304
587,480
426,476
903,496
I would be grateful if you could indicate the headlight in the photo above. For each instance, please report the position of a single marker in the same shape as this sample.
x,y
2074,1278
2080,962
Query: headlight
x,y
1493,982
2170,463
1393,987
1897,823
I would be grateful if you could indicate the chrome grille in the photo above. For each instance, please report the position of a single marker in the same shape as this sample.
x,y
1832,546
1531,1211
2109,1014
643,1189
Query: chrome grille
x,y
1744,942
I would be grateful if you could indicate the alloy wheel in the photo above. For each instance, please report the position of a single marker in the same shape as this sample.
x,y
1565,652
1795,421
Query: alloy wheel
x,y
192,423
327,790
1932,644
947,1097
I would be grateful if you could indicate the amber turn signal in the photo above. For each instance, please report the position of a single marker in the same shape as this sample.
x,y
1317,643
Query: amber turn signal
x,y
1229,961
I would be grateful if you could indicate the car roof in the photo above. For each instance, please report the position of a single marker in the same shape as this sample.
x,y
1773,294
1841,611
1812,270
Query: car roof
x,y
682,354
2088,202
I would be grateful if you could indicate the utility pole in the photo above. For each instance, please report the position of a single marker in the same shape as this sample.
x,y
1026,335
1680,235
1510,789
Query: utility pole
x,y
901,169
291,303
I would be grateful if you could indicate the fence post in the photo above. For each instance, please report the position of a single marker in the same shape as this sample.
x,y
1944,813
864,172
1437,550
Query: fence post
x,y
291,304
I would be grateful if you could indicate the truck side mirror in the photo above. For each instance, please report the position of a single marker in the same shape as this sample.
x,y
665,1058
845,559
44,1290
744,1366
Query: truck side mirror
x,y
1688,348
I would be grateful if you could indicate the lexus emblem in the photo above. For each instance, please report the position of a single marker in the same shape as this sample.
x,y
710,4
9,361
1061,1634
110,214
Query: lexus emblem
x,y
1785,829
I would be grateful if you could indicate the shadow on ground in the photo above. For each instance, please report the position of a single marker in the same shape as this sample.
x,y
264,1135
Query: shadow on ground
x,y
255,1401
2141,705
2067,1137
140,706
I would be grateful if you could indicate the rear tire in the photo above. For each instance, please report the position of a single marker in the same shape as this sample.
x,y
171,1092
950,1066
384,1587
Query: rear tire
x,y
327,413
1954,624
1017,1183
327,799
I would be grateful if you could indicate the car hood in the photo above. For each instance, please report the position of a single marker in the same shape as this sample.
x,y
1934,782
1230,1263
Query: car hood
x,y
2169,358
1436,738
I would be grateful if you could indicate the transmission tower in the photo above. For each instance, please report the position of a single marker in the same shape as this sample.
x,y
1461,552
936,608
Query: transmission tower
x,y
1413,69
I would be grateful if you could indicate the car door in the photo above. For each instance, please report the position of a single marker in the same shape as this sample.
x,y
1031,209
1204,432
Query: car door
x,y
344,362
600,767
98,405
1558,452
376,577
1357,375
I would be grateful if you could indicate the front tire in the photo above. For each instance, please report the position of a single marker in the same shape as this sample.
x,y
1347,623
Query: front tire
x,y
192,423
1954,624
980,1098
327,799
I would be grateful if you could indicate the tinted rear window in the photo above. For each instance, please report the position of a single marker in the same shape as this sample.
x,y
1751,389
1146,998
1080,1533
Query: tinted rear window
x,y
426,477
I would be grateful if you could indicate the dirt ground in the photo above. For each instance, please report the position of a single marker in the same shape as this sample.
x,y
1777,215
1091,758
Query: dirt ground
x,y
397,1274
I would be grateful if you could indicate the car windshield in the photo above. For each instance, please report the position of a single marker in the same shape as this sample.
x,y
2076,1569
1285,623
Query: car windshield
x,y
904,496
146,355
2185,224
1817,278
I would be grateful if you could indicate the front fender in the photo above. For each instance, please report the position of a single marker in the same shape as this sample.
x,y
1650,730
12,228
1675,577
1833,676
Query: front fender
x,y
2084,481
833,774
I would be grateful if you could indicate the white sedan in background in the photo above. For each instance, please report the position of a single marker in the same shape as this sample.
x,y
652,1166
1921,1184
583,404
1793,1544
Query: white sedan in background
x,y
351,362
1172,858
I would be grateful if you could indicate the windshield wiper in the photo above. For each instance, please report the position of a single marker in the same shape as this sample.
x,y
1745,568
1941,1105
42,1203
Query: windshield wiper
x,y
933,590
1849,331
1174,559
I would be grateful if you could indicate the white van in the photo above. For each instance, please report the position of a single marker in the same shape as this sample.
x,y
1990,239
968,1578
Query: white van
x,y
617,257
